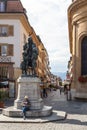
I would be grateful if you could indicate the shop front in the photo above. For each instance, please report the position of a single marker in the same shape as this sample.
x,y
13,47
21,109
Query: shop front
x,y
7,83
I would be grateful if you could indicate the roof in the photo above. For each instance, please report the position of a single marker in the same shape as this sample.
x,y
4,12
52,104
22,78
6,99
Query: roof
x,y
12,6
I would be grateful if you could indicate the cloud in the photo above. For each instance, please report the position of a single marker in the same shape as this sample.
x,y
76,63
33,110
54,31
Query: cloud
x,y
49,20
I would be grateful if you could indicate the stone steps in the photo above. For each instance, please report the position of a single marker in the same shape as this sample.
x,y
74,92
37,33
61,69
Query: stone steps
x,y
13,112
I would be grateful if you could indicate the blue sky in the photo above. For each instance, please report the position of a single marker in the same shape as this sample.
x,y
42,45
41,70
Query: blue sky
x,y
50,22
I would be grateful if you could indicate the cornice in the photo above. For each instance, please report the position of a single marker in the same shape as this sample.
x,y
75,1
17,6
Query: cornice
x,y
75,6
18,16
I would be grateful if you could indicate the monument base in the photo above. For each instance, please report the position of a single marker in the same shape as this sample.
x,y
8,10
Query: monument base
x,y
13,112
29,86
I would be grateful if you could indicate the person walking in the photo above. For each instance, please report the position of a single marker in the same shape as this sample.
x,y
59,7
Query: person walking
x,y
60,90
25,106
69,92
44,92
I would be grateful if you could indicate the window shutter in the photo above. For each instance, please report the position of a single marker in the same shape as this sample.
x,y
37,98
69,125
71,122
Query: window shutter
x,y
11,30
10,50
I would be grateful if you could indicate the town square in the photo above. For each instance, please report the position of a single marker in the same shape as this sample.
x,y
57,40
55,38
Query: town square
x,y
43,73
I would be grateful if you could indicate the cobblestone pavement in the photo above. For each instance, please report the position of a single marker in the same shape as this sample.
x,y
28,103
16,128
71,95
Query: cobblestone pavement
x,y
76,119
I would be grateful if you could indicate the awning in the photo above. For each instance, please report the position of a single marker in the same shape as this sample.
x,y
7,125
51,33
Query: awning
x,y
3,84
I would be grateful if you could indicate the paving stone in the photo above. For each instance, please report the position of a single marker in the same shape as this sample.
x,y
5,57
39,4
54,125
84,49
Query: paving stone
x,y
76,115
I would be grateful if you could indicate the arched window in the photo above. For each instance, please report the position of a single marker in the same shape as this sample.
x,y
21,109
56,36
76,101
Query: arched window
x,y
84,56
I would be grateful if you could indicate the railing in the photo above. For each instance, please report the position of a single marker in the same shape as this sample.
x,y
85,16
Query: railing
x,y
5,58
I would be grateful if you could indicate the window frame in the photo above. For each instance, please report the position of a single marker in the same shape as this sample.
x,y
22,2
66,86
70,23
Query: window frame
x,y
9,51
3,30
2,6
4,50
6,30
83,56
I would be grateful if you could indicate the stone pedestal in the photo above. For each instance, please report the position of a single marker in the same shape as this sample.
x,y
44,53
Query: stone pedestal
x,y
29,86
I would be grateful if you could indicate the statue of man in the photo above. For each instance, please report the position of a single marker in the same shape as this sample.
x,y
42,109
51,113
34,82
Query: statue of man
x,y
30,56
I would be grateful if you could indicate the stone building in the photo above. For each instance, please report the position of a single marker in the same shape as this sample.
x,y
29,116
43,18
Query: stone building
x,y
77,23
14,32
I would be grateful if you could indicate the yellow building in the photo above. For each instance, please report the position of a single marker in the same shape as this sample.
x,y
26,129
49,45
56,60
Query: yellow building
x,y
77,23
14,32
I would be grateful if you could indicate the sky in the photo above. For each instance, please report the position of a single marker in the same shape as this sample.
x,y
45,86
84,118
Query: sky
x,y
50,21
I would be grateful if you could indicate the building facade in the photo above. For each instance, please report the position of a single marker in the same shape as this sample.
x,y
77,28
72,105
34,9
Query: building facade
x,y
14,32
77,23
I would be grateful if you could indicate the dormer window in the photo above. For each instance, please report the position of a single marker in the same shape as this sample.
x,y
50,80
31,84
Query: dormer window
x,y
2,6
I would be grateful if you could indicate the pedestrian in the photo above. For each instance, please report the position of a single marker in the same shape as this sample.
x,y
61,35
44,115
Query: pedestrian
x,y
69,92
44,92
60,90
41,91
65,89
25,106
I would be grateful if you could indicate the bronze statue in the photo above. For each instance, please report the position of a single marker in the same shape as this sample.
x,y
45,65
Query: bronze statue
x,y
30,55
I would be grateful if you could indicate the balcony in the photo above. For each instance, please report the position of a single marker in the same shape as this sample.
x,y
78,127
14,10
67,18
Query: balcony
x,y
5,58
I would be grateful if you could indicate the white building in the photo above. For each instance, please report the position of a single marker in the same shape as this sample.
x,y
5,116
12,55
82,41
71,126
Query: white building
x,y
14,31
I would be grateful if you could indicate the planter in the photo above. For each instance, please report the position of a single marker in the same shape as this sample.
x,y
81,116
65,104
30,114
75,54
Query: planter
x,y
2,98
82,79
1,104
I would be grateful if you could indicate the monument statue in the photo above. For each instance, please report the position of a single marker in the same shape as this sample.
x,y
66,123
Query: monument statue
x,y
29,85
30,55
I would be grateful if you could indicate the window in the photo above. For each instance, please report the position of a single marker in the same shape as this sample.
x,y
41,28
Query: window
x,y
2,6
6,50
4,72
6,30
3,31
84,56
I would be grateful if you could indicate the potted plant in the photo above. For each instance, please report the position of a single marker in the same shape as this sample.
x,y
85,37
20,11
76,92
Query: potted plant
x,y
2,97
